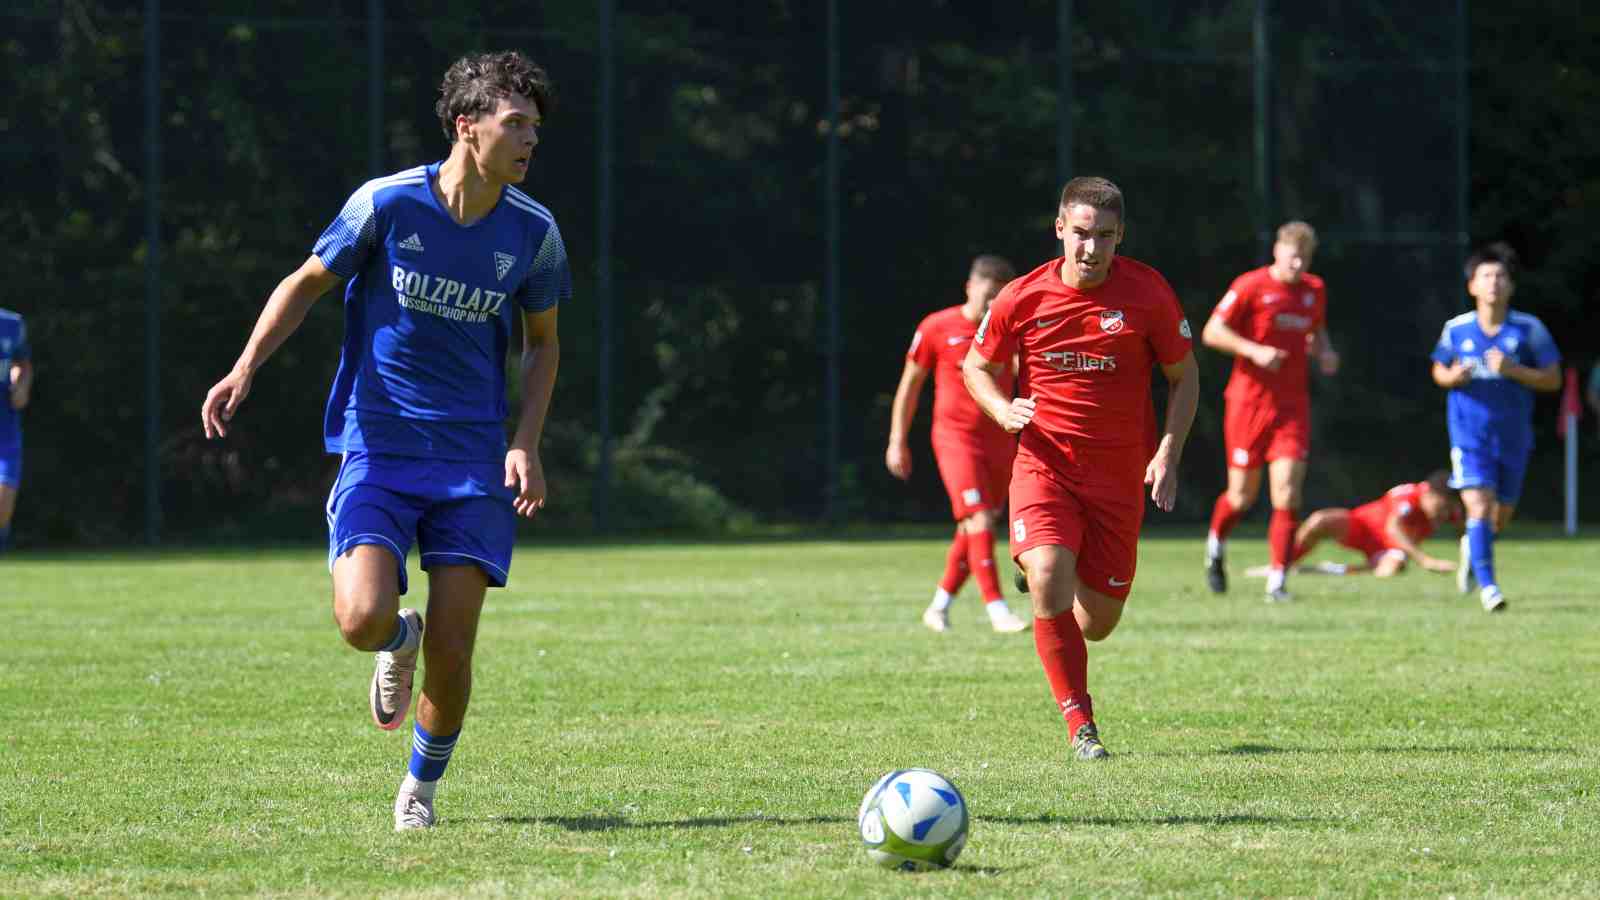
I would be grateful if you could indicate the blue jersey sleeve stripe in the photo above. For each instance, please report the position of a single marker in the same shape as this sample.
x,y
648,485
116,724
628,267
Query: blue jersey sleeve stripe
x,y
549,280
528,204
345,243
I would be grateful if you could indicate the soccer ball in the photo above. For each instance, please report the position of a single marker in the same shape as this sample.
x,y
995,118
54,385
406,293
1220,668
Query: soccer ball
x,y
913,820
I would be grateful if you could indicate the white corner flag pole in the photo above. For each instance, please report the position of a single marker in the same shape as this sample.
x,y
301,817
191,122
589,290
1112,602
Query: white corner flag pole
x,y
1570,410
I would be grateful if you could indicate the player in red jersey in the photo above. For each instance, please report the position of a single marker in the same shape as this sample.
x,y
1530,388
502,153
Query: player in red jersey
x,y
972,452
1271,320
1388,531
1087,328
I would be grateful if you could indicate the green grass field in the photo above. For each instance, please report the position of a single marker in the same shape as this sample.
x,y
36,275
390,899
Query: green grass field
x,y
702,719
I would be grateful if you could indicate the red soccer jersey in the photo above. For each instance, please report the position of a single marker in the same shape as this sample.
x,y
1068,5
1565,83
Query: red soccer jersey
x,y
1263,309
940,344
1406,499
1086,360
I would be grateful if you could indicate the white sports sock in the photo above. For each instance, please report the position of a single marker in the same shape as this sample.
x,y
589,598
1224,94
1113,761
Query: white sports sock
x,y
423,790
1275,580
1214,546
996,609
941,599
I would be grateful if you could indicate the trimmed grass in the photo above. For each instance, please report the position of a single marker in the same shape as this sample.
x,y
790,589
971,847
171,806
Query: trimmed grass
x,y
701,720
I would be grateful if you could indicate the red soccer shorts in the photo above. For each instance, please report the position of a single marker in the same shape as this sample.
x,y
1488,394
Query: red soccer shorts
x,y
1100,527
1368,539
976,471
1257,433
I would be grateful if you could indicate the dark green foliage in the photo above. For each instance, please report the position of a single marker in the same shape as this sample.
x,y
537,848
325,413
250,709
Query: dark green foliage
x,y
948,136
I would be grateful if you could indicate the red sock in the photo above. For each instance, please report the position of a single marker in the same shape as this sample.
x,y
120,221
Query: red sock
x,y
955,565
980,556
1223,517
1280,537
1299,553
1059,642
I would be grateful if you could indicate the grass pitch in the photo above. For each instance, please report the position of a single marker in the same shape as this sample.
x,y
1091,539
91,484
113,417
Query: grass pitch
x,y
702,719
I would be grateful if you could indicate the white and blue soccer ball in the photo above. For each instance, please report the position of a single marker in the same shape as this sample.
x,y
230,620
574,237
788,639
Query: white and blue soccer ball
x,y
913,820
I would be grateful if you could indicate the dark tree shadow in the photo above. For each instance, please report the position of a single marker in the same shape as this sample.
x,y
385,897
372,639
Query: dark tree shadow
x,y
617,823
1269,750
1126,821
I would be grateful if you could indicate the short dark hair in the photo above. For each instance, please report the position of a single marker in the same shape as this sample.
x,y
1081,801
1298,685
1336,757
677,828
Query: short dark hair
x,y
1439,480
996,267
477,82
1497,252
1092,190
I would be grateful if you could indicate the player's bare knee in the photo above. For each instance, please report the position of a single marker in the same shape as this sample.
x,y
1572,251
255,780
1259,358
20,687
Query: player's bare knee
x,y
978,522
365,619
1098,631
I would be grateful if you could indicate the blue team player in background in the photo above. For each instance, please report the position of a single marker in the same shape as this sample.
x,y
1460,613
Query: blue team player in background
x,y
439,260
16,383
1491,360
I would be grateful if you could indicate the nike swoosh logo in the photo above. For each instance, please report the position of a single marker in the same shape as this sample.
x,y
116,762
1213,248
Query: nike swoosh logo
x,y
1115,583
1045,323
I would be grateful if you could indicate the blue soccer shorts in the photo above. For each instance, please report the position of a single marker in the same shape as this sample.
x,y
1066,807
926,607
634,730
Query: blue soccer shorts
x,y
1499,466
458,512
11,465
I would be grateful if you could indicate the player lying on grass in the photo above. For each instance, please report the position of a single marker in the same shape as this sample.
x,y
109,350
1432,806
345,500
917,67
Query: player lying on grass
x,y
1388,532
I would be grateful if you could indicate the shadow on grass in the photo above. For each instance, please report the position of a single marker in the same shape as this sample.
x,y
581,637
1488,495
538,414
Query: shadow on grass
x,y
1270,750
1125,821
615,823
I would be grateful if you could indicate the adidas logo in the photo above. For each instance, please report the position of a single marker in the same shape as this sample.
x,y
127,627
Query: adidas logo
x,y
413,243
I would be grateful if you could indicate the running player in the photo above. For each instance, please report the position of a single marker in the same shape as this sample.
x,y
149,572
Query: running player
x,y
972,452
1491,360
1387,532
1270,321
1087,327
16,379
442,262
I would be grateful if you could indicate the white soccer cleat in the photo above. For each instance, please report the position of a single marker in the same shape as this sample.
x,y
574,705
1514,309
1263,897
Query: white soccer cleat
x,y
1279,595
390,693
1492,599
936,619
1009,622
1465,581
412,813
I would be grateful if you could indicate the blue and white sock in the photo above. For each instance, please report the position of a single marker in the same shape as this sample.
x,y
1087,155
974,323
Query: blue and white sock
x,y
429,756
1480,541
403,639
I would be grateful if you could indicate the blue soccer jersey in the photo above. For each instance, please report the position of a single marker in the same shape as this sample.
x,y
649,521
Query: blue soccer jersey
x,y
428,315
1493,409
13,348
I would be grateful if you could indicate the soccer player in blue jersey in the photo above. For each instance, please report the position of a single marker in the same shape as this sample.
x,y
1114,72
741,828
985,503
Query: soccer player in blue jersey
x,y
16,383
1491,360
439,261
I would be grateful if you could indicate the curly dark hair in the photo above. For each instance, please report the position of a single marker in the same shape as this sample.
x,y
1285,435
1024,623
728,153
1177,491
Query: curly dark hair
x,y
477,82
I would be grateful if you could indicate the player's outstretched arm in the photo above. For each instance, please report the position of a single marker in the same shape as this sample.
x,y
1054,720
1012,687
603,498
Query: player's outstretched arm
x,y
1218,336
541,357
1183,398
898,456
980,377
1397,534
21,376
286,308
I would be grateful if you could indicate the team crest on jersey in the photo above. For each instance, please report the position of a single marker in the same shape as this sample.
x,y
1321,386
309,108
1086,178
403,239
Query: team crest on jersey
x,y
503,263
1466,345
1511,344
1111,320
